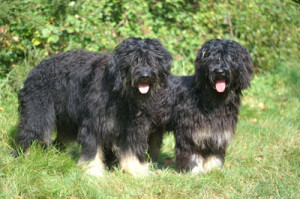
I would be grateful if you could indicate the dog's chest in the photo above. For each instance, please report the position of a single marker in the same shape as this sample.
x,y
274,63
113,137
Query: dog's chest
x,y
201,137
216,128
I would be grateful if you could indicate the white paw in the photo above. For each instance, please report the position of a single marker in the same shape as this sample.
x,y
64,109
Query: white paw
x,y
93,168
198,160
212,162
95,171
133,166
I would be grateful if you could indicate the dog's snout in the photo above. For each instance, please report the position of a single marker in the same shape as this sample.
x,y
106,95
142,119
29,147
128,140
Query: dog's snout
x,y
145,75
219,71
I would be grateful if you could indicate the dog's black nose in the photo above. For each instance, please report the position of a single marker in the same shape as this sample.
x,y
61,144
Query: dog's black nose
x,y
145,75
219,71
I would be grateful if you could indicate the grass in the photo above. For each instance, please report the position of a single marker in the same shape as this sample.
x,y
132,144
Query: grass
x,y
263,161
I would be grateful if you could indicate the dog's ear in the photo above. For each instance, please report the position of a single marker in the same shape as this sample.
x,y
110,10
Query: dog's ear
x,y
201,57
200,64
245,68
168,59
114,73
166,64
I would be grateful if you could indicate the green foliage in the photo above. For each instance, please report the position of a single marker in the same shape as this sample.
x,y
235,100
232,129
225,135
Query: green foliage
x,y
269,29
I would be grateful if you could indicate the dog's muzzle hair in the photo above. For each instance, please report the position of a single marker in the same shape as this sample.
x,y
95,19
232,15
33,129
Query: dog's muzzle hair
x,y
143,79
220,77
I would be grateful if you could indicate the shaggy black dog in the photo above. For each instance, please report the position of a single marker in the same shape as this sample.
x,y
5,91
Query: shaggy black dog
x,y
206,105
110,103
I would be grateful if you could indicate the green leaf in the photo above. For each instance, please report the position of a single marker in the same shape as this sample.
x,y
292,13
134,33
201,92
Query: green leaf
x,y
45,33
70,29
53,39
36,41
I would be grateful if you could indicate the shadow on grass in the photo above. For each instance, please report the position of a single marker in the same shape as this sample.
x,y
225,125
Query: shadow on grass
x,y
12,142
164,161
290,74
293,80
73,149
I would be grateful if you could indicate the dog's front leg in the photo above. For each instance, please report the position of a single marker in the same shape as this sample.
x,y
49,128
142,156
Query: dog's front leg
x,y
91,157
133,146
131,164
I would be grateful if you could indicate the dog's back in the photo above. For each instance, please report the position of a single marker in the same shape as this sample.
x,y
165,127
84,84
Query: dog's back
x,y
52,95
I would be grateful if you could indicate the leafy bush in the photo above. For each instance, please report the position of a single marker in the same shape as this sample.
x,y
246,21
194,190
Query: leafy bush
x,y
269,30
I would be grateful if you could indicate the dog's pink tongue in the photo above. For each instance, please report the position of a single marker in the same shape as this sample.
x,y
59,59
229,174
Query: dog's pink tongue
x,y
143,88
220,86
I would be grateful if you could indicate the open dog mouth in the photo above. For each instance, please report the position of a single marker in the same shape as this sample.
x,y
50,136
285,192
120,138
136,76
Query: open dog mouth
x,y
221,79
220,85
144,81
143,88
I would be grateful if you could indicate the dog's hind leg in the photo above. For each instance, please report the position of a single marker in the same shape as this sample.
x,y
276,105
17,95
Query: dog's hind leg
x,y
154,142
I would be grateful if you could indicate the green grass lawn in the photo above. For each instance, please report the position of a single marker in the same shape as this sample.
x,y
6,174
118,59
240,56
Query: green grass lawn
x,y
263,161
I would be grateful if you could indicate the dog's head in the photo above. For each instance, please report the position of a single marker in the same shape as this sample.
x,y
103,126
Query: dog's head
x,y
139,66
223,65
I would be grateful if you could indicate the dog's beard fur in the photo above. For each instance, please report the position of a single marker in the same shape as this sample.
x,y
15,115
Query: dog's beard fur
x,y
220,76
141,83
